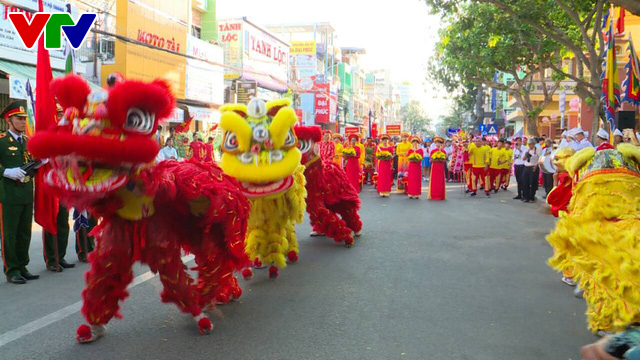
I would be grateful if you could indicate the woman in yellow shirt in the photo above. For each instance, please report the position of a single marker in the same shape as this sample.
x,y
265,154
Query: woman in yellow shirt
x,y
402,150
337,157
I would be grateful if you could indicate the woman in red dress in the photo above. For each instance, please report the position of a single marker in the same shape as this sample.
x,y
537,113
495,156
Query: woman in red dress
x,y
384,154
415,168
438,162
352,153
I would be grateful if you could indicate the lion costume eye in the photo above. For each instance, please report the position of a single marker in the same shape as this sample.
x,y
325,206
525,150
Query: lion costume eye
x,y
304,146
290,140
260,133
231,142
139,121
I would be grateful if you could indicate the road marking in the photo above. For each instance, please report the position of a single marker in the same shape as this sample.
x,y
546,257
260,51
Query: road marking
x,y
47,320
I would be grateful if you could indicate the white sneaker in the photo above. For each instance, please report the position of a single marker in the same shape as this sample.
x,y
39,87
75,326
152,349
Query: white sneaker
x,y
358,234
315,233
579,293
569,281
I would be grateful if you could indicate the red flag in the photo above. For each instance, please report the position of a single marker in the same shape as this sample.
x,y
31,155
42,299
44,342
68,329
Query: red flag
x,y
184,126
45,204
620,22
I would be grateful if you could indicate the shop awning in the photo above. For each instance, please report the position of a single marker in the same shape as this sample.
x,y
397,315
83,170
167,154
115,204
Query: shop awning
x,y
29,71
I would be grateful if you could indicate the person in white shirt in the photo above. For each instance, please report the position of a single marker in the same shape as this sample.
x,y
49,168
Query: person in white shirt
x,y
530,173
168,152
581,140
518,164
617,137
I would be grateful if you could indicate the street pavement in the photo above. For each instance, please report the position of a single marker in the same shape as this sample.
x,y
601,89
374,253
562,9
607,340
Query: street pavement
x,y
461,279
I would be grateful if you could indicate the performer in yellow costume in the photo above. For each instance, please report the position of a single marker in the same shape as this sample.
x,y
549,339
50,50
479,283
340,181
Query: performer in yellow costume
x,y
599,238
260,150
337,158
402,150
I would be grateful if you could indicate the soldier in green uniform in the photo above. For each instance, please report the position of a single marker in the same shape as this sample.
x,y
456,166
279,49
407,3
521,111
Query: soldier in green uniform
x,y
16,196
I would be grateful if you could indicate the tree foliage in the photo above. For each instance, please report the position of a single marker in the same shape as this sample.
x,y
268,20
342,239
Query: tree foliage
x,y
574,25
414,120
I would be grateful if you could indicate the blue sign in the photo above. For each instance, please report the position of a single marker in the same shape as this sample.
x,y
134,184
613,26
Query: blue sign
x,y
492,129
483,129
452,132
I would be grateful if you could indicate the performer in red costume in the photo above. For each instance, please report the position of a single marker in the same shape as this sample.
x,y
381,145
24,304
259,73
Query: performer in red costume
x,y
384,154
327,147
437,189
101,156
415,168
197,150
332,202
352,153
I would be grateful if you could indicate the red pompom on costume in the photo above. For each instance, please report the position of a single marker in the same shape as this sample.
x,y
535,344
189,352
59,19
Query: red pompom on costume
x,y
100,155
332,202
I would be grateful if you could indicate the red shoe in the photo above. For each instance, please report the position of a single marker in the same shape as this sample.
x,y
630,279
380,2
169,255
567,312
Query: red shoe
x,y
292,256
273,272
247,274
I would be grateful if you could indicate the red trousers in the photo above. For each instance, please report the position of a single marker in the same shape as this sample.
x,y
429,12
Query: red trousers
x,y
467,175
506,177
478,174
495,179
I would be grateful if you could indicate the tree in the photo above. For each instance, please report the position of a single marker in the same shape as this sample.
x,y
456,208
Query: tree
x,y
572,24
414,119
480,42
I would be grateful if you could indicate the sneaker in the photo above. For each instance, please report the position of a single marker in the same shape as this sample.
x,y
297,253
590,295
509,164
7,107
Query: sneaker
x,y
467,191
517,198
496,191
579,293
569,281
488,195
473,194
315,233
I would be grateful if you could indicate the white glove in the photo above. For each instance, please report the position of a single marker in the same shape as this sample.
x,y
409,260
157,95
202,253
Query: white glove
x,y
15,174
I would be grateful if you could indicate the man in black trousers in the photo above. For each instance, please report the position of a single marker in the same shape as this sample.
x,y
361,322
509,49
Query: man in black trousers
x,y
518,163
531,172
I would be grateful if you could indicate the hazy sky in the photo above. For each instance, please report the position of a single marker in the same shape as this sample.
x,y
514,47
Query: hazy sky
x,y
398,34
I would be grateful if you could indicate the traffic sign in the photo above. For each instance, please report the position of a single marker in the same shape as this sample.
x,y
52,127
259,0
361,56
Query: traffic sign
x,y
492,129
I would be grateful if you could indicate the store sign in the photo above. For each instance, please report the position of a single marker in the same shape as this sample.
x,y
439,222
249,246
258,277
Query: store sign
x,y
18,87
245,91
158,23
204,81
208,116
348,130
11,45
230,37
303,47
265,58
394,130
177,116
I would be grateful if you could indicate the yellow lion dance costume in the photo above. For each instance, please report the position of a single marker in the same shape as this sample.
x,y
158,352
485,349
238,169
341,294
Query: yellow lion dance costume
x,y
599,240
260,150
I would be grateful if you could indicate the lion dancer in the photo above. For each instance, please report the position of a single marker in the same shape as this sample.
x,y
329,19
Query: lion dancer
x,y
332,202
599,238
260,151
384,155
478,156
402,150
467,165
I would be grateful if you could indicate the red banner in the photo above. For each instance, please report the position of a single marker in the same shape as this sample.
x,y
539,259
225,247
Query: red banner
x,y
394,130
299,115
351,130
374,130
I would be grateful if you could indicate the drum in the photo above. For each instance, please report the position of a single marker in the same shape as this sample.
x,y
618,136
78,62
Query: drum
x,y
546,163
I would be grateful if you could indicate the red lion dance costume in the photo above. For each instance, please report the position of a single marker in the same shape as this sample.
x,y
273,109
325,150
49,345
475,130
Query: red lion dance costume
x,y
100,155
332,202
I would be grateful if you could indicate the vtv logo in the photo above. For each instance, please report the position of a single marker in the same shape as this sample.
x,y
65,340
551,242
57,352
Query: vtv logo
x,y
52,24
